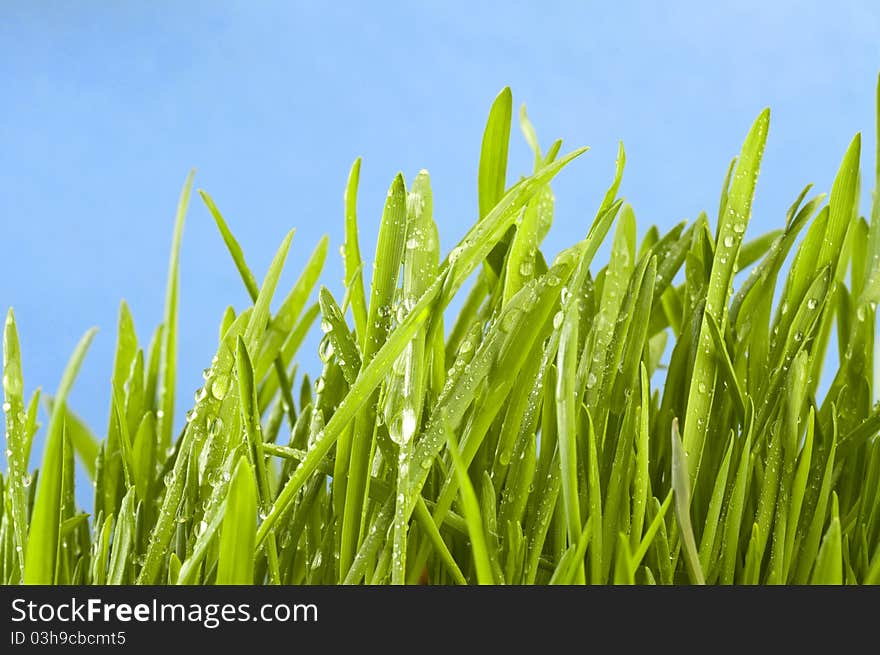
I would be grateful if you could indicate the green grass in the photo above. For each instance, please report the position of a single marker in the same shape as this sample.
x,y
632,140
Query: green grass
x,y
653,420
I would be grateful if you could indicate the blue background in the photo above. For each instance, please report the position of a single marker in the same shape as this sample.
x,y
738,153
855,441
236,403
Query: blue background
x,y
104,110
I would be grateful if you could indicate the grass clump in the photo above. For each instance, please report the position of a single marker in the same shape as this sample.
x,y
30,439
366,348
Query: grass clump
x,y
656,420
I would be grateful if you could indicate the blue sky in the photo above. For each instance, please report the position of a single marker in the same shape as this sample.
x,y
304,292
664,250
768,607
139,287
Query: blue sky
x,y
103,112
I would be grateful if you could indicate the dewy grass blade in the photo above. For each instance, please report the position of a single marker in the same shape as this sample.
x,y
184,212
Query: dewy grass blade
x,y
235,563
713,514
352,253
123,536
829,564
492,178
406,388
681,488
42,544
114,453
732,226
651,532
842,204
251,418
16,437
471,507
386,272
566,407
597,547
222,399
641,481
168,368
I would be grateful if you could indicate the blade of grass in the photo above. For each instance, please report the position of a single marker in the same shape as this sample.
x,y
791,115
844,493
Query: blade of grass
x,y
17,453
681,487
45,523
235,565
352,254
471,508
389,255
732,226
168,366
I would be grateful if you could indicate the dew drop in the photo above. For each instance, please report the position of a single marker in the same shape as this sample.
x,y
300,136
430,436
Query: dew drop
x,y
408,424
214,426
325,349
220,386
510,319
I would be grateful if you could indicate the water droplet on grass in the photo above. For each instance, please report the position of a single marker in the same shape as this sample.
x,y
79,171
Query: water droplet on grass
x,y
220,386
325,349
